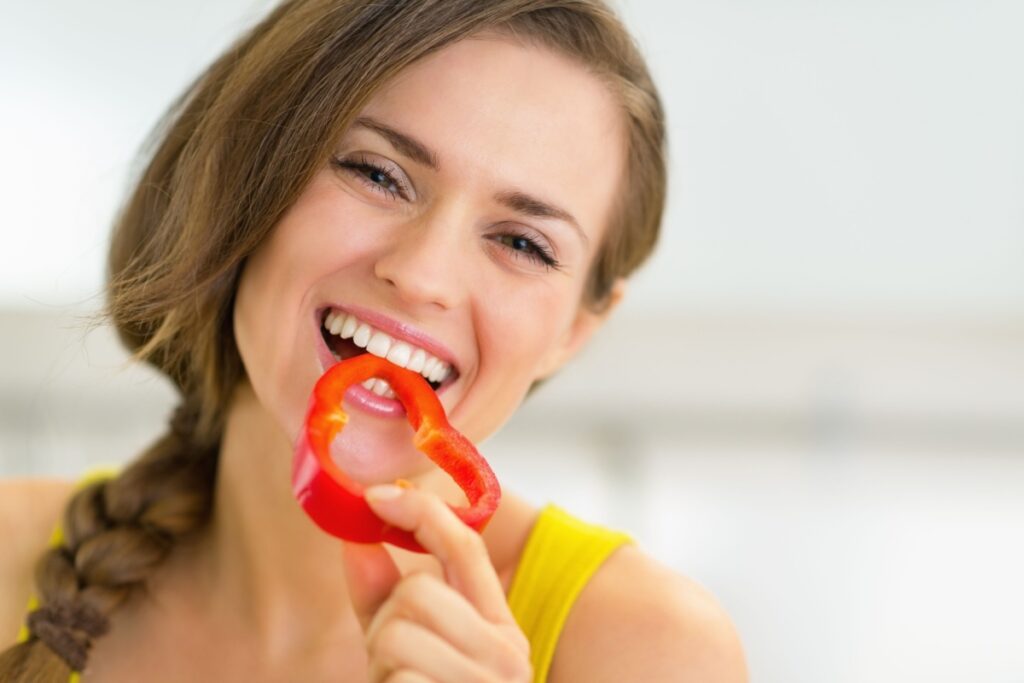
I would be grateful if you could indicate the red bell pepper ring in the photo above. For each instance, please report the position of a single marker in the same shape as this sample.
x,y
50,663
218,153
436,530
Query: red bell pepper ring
x,y
335,502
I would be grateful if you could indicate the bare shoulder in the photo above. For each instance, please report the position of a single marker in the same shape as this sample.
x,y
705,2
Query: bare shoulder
x,y
649,624
29,510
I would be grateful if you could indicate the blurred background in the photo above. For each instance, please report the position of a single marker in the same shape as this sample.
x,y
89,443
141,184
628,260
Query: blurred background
x,y
812,401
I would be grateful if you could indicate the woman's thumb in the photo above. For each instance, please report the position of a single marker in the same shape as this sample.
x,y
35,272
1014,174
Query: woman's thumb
x,y
371,574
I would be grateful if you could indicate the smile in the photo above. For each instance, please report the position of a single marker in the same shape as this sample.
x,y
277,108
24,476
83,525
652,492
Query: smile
x,y
347,336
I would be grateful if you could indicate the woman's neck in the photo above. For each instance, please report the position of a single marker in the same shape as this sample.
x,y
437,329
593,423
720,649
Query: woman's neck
x,y
261,566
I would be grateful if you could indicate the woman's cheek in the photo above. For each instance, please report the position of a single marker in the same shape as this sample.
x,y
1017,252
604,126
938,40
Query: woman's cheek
x,y
508,369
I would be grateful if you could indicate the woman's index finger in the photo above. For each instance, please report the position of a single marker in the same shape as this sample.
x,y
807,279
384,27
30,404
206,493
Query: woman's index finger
x,y
460,550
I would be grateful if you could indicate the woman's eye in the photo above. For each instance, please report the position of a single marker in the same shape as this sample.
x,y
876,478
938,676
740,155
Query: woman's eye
x,y
375,177
522,246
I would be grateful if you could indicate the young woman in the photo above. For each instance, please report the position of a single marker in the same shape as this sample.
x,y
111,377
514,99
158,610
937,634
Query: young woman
x,y
461,186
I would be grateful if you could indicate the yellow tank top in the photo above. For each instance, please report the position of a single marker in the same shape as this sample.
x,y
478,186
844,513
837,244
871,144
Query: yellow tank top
x,y
559,558
561,555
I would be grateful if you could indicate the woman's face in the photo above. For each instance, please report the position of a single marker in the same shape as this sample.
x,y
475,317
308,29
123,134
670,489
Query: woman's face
x,y
458,218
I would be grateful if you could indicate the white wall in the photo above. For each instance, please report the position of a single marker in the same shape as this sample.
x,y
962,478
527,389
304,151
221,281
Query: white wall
x,y
823,414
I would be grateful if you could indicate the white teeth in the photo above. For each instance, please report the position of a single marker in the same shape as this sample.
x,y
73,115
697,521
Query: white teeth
x,y
380,387
438,373
419,357
400,354
441,373
379,345
362,335
349,328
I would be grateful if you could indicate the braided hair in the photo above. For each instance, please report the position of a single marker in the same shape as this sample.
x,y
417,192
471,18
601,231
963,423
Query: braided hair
x,y
116,531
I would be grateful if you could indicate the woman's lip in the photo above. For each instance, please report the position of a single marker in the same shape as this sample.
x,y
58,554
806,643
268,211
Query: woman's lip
x,y
362,398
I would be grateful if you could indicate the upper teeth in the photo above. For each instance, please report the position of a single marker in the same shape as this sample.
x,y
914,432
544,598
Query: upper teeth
x,y
402,354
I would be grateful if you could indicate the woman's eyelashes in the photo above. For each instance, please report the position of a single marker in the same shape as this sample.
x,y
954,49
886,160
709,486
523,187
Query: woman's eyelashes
x,y
379,179
374,176
523,246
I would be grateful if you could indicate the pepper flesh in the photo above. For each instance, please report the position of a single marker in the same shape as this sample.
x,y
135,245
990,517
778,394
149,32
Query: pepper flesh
x,y
335,502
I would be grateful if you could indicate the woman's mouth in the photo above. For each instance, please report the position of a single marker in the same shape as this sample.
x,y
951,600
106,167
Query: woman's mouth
x,y
347,336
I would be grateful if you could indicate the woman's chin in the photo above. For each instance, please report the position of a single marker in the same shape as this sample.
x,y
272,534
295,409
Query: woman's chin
x,y
377,451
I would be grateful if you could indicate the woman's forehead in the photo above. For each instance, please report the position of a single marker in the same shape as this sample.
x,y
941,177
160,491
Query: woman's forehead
x,y
498,114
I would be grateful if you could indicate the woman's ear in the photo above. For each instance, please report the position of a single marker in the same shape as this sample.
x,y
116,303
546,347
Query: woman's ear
x,y
582,328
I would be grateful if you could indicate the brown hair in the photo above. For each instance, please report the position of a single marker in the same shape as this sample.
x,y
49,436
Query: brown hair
x,y
232,154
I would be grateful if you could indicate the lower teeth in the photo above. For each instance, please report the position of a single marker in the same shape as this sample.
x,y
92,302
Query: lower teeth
x,y
379,387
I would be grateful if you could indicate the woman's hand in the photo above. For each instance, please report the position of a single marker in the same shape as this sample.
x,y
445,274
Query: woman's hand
x,y
420,628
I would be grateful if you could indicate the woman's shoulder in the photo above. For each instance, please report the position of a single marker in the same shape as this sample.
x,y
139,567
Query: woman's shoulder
x,y
30,508
651,624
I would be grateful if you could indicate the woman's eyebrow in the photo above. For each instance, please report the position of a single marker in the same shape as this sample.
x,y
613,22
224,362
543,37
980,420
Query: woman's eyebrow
x,y
520,202
406,144
523,203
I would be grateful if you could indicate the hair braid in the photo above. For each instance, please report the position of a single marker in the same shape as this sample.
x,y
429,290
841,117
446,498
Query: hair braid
x,y
116,532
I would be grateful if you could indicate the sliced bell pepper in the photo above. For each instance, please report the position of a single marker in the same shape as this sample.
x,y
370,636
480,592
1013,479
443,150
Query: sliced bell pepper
x,y
335,502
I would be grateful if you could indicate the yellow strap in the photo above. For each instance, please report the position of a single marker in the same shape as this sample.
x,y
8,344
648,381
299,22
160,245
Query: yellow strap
x,y
57,537
561,555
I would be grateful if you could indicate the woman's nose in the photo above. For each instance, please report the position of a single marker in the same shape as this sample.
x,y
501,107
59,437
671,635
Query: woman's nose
x,y
422,265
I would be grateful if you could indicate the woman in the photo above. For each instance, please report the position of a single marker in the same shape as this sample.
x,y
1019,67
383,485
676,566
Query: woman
x,y
458,184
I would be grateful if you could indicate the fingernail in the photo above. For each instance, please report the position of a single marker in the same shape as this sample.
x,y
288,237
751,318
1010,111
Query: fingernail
x,y
382,492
